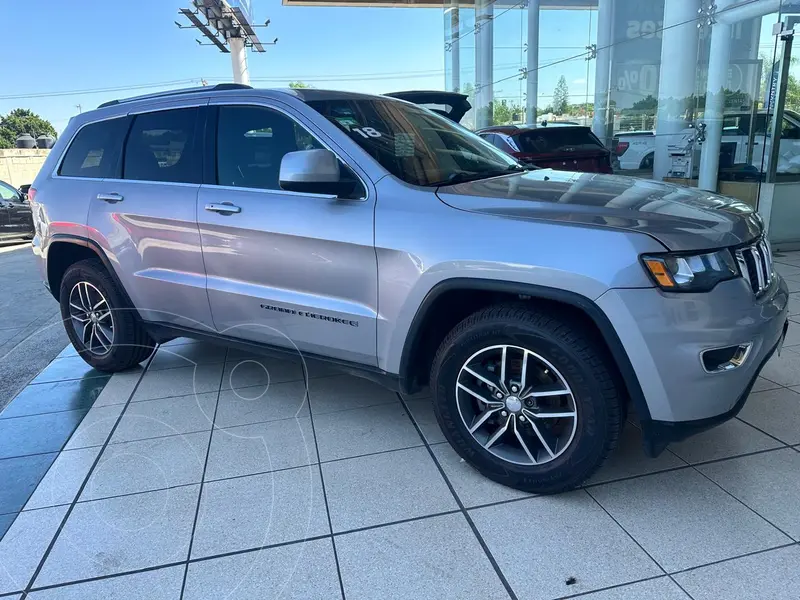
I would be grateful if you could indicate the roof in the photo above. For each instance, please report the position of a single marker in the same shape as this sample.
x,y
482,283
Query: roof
x,y
514,129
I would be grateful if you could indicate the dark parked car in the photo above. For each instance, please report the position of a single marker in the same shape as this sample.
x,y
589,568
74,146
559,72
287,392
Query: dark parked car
x,y
552,146
16,221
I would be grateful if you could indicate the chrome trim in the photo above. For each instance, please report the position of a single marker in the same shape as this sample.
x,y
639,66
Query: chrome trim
x,y
234,188
739,358
756,265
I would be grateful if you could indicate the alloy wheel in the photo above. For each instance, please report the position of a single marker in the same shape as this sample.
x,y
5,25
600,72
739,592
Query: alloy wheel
x,y
91,318
516,405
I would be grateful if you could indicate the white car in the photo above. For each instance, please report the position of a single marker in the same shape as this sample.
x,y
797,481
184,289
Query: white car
x,y
636,149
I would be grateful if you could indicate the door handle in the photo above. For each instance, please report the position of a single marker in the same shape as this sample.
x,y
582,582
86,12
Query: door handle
x,y
111,198
223,208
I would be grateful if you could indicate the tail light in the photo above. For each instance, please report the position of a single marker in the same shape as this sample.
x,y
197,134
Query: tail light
x,y
31,194
621,148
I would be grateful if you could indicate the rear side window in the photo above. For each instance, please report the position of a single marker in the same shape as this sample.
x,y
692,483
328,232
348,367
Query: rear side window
x,y
161,147
548,140
95,150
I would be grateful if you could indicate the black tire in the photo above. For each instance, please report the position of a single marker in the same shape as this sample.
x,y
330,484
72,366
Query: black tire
x,y
131,344
581,360
647,162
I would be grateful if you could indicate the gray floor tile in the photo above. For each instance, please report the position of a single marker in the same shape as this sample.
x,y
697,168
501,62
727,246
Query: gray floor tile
x,y
122,534
562,536
63,369
179,382
37,434
436,559
5,522
732,438
160,584
683,520
342,392
304,571
19,477
422,411
762,385
24,544
119,388
792,334
260,372
783,369
794,303
64,478
188,355
662,588
261,404
95,427
79,394
774,575
629,459
260,510
364,431
147,465
166,416
473,489
259,448
768,483
381,488
776,412
787,270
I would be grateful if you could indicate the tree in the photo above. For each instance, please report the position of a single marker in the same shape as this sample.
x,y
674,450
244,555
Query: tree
x,y
561,96
506,113
299,85
22,120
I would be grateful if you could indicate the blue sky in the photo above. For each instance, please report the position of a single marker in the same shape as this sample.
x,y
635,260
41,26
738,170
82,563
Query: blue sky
x,y
125,43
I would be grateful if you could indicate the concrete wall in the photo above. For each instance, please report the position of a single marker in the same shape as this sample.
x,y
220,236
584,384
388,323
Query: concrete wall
x,y
19,166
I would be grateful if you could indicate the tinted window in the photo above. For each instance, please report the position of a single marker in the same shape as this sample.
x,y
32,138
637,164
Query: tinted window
x,y
549,140
161,147
95,150
251,143
415,144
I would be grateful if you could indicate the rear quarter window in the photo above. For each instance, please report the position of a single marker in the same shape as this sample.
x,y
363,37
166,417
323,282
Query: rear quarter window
x,y
95,150
549,140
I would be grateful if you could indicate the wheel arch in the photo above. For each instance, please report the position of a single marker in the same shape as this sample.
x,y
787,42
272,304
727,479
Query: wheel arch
x,y
473,294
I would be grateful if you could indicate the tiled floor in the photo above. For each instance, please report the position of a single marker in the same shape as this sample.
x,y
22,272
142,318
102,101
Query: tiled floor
x,y
209,475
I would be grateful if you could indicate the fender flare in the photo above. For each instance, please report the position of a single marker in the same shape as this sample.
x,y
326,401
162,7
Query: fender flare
x,y
575,300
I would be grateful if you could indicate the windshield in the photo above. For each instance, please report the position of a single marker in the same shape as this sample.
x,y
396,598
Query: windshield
x,y
414,144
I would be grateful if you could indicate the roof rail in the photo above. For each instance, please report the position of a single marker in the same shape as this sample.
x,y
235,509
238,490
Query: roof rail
x,y
195,90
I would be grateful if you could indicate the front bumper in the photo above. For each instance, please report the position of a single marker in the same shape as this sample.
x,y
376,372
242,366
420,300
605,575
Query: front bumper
x,y
664,336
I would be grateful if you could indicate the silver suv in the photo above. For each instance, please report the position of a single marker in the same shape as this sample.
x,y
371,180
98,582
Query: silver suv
x,y
381,236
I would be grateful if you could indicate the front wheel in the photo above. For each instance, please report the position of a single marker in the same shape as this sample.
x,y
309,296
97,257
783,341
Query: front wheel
x,y
103,329
526,398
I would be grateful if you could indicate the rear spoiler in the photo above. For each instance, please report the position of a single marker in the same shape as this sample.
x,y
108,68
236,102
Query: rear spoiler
x,y
455,105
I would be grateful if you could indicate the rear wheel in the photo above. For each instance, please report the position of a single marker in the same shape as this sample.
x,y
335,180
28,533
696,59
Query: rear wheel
x,y
103,329
526,398
647,162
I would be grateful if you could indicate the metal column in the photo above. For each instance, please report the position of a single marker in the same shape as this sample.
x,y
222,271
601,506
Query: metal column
x,y
532,65
484,59
676,82
455,49
603,121
239,60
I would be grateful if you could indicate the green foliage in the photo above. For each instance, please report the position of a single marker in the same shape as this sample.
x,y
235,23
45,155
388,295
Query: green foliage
x,y
19,121
506,113
561,96
299,85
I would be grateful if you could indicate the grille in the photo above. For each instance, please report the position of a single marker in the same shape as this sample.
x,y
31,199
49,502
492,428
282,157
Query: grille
x,y
755,263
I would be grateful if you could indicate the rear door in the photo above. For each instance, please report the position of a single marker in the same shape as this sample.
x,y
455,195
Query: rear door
x,y
144,215
289,269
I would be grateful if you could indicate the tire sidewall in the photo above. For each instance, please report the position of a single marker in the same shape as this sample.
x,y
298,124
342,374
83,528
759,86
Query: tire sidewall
x,y
591,436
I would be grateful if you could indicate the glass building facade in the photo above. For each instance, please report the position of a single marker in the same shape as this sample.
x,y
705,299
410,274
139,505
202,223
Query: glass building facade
x,y
698,92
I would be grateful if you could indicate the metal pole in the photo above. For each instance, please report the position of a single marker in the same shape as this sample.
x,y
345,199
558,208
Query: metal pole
x,y
777,115
484,55
455,48
718,59
532,65
239,60
602,73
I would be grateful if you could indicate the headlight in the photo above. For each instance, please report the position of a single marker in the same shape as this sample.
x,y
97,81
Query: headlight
x,y
691,272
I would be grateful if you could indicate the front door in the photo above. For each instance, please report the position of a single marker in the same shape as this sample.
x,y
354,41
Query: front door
x,y
144,217
290,269
7,193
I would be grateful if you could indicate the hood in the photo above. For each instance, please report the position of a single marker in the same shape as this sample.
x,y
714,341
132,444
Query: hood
x,y
681,218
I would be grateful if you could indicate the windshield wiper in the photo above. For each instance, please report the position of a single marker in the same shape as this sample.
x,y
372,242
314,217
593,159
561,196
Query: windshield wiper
x,y
465,176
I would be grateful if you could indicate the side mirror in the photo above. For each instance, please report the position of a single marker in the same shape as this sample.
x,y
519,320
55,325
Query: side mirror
x,y
313,172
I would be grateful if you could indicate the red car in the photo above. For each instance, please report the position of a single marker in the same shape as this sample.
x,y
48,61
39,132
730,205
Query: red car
x,y
563,147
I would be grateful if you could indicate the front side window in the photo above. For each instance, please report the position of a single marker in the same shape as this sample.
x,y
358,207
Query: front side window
x,y
252,141
161,147
95,150
7,192
413,144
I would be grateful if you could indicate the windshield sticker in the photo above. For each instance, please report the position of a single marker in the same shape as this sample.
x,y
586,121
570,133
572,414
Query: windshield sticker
x,y
403,144
347,122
